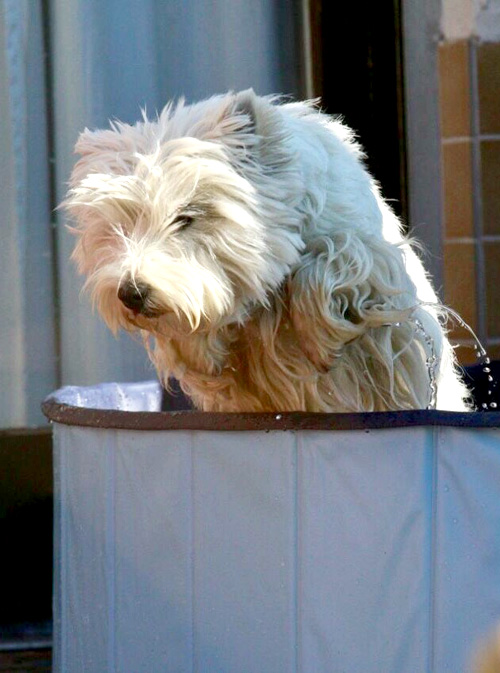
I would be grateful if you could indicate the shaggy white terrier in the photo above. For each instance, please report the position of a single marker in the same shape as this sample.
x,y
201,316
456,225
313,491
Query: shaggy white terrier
x,y
249,245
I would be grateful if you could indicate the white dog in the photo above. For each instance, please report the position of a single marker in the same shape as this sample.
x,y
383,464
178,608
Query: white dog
x,y
247,242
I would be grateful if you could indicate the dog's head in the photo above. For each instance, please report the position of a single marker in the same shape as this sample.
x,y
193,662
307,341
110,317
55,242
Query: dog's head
x,y
181,220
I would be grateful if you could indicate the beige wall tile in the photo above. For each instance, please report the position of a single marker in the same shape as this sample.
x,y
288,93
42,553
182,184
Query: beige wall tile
x,y
490,181
493,353
492,270
466,355
454,89
460,285
488,66
457,184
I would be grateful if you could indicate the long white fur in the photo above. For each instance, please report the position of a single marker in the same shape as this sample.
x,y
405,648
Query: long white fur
x,y
292,289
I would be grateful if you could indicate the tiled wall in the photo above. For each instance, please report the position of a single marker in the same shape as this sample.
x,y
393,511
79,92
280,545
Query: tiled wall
x,y
470,137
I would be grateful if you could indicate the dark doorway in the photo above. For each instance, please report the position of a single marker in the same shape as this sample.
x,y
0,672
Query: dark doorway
x,y
358,72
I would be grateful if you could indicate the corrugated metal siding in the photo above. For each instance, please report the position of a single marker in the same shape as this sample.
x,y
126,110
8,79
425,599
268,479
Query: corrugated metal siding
x,y
27,352
108,60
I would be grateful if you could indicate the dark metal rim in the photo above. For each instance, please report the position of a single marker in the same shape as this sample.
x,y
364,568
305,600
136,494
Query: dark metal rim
x,y
197,420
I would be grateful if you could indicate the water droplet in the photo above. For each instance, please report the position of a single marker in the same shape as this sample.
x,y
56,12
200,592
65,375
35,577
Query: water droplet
x,y
278,416
431,361
493,405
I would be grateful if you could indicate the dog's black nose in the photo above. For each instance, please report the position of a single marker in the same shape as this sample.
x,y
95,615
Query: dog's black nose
x,y
133,295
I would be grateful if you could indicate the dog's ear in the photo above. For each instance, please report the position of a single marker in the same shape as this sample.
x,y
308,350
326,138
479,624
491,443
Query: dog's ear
x,y
237,124
345,285
93,142
112,151
103,141
246,106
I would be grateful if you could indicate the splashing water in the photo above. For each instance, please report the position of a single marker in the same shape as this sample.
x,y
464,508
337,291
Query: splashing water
x,y
483,358
481,353
432,360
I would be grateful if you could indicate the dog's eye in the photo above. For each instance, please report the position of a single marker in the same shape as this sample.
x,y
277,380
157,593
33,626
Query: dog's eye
x,y
182,221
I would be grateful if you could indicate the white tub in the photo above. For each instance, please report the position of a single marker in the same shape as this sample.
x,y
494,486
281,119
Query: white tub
x,y
270,543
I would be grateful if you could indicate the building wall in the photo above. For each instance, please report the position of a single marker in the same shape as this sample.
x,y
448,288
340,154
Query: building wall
x,y
469,75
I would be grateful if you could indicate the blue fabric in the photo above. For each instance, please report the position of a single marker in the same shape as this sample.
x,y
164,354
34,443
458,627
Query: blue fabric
x,y
363,550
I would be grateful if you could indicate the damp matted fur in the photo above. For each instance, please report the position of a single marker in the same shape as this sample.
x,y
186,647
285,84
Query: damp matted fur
x,y
254,253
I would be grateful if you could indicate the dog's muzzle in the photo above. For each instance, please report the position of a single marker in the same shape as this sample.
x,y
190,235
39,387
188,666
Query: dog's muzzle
x,y
134,296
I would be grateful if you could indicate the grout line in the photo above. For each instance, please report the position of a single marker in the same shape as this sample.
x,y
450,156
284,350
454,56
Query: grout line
x,y
493,341
489,238
469,343
456,140
476,194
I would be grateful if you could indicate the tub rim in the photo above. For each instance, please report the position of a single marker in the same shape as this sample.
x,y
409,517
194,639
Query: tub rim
x,y
115,419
